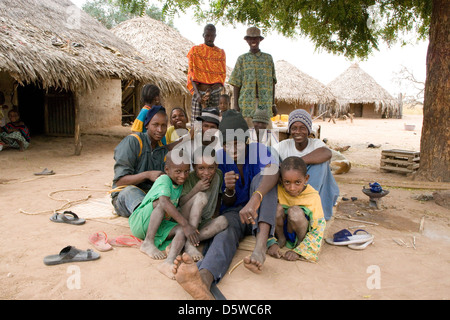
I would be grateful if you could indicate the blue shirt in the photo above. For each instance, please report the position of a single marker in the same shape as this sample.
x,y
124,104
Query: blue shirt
x,y
257,157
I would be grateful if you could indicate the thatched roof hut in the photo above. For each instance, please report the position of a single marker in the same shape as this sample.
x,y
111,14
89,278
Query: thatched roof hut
x,y
158,41
296,89
55,44
357,92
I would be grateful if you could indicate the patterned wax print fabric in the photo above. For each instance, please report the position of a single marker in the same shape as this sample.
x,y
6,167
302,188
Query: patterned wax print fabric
x,y
206,65
310,202
140,218
254,73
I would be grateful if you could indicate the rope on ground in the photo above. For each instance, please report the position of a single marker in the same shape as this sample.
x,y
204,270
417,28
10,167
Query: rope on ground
x,y
68,203
50,176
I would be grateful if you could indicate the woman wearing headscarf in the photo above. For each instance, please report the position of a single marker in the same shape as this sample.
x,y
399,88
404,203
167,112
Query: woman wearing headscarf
x,y
316,156
140,159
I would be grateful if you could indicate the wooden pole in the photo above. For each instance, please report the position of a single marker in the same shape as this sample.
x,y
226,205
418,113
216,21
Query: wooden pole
x,y
78,144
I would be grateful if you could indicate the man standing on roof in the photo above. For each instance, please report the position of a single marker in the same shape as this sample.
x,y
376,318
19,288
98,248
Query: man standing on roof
x,y
253,79
206,73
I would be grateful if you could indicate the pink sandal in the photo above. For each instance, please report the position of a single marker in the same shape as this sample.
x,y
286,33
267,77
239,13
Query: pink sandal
x,y
126,241
100,241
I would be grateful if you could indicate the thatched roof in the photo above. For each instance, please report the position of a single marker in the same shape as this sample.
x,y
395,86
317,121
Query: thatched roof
x,y
296,87
55,44
356,86
158,41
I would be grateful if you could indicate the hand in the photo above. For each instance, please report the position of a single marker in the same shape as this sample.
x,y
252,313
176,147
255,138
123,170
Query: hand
x,y
192,234
230,179
153,175
249,213
202,185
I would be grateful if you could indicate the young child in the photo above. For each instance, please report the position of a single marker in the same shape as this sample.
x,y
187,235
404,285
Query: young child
x,y
150,97
224,103
202,193
157,219
15,134
300,222
178,120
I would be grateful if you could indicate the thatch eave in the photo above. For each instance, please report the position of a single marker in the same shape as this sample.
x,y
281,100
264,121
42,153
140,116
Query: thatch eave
x,y
55,44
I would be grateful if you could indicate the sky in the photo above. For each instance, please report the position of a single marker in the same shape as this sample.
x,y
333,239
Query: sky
x,y
382,65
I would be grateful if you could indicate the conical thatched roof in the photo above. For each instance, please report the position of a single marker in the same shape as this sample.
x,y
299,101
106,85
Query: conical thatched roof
x,y
356,86
297,87
158,41
55,44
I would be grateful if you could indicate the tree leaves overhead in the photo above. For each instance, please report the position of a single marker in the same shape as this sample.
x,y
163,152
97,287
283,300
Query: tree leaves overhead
x,y
353,28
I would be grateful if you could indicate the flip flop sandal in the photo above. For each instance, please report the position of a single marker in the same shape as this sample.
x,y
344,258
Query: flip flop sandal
x,y
360,246
67,217
126,241
217,294
345,237
100,241
71,254
45,172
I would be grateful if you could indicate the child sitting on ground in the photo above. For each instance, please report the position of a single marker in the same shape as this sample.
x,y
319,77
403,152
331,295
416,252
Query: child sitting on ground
x,y
224,103
300,222
178,120
157,220
202,192
15,134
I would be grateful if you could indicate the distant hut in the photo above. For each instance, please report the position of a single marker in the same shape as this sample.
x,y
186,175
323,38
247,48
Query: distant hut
x,y
64,69
297,90
167,46
358,93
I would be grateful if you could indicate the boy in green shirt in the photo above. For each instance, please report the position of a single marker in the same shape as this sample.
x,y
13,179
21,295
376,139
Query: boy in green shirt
x,y
158,221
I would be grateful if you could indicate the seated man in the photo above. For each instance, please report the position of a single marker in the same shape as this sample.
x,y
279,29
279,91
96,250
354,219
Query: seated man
x,y
316,156
249,205
140,159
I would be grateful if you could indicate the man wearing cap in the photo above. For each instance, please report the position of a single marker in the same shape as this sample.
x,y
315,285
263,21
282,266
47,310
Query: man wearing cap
x,y
316,156
260,133
139,162
253,79
248,203
206,72
209,121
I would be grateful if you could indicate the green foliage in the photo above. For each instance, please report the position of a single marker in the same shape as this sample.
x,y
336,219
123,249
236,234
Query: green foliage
x,y
353,28
112,12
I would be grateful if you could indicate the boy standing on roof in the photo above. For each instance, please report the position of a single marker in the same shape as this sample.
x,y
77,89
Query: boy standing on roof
x,y
206,73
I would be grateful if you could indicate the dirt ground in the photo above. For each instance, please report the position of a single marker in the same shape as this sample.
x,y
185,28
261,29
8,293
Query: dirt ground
x,y
403,262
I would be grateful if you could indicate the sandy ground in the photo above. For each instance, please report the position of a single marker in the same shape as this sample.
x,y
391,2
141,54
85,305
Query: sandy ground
x,y
391,268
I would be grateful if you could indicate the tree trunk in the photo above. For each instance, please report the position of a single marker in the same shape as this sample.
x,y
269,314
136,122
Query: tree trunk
x,y
435,140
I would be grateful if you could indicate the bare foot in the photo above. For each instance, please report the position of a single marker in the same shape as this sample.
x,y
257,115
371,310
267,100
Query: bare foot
x,y
291,256
193,252
255,262
166,268
150,249
274,251
188,276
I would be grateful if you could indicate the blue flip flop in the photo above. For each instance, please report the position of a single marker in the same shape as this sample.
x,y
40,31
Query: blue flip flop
x,y
345,237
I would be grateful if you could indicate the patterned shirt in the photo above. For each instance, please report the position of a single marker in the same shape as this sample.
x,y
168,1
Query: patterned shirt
x,y
206,65
254,73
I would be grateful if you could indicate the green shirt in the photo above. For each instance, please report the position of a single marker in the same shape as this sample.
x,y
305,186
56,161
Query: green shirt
x,y
140,218
254,73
